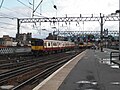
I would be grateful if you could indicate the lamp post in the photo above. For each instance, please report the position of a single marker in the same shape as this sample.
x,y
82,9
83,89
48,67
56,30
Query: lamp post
x,y
118,11
55,7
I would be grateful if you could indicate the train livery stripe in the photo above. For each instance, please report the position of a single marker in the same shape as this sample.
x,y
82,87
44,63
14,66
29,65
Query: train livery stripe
x,y
37,47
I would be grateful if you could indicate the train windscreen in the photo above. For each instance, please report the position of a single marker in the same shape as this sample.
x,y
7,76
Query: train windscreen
x,y
37,42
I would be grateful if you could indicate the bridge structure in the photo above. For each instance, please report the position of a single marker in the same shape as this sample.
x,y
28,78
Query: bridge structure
x,y
71,33
101,19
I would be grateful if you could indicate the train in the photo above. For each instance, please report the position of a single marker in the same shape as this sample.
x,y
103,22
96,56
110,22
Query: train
x,y
50,46
85,45
39,46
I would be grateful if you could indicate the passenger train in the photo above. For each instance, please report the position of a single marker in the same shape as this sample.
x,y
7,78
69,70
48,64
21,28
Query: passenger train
x,y
39,46
85,45
50,46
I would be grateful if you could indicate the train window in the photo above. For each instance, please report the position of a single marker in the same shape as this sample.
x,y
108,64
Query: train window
x,y
32,43
81,43
45,44
48,44
54,44
40,43
37,42
58,44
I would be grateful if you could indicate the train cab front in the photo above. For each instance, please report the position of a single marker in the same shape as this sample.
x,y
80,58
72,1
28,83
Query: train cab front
x,y
37,46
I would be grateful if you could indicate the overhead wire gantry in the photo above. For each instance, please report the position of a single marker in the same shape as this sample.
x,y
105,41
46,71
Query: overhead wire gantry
x,y
101,19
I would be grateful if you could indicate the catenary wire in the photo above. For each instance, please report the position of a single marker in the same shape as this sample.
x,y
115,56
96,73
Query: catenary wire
x,y
1,3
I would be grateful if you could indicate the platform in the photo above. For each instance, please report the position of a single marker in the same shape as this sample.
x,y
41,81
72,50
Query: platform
x,y
90,70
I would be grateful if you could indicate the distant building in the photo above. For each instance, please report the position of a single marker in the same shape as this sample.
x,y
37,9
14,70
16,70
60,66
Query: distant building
x,y
7,38
24,39
21,40
7,41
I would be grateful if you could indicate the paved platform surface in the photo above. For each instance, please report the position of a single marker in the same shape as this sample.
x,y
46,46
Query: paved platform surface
x,y
91,70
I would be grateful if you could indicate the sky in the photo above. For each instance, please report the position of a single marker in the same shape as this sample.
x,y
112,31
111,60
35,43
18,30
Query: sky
x,y
12,9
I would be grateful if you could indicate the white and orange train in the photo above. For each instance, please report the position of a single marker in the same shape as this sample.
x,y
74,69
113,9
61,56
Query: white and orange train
x,y
50,46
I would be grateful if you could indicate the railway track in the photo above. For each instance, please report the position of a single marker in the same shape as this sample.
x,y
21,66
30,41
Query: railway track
x,y
26,60
32,72
42,74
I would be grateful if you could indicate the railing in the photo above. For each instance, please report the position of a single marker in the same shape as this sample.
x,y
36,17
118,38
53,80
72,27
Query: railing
x,y
113,55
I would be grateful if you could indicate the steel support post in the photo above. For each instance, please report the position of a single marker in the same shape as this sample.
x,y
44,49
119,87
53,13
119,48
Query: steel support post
x,y
18,26
101,32
119,29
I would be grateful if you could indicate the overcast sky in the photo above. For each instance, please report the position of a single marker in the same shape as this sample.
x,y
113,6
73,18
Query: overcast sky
x,y
15,9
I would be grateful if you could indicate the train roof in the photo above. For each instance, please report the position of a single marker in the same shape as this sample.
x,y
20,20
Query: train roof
x,y
55,40
36,39
45,40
